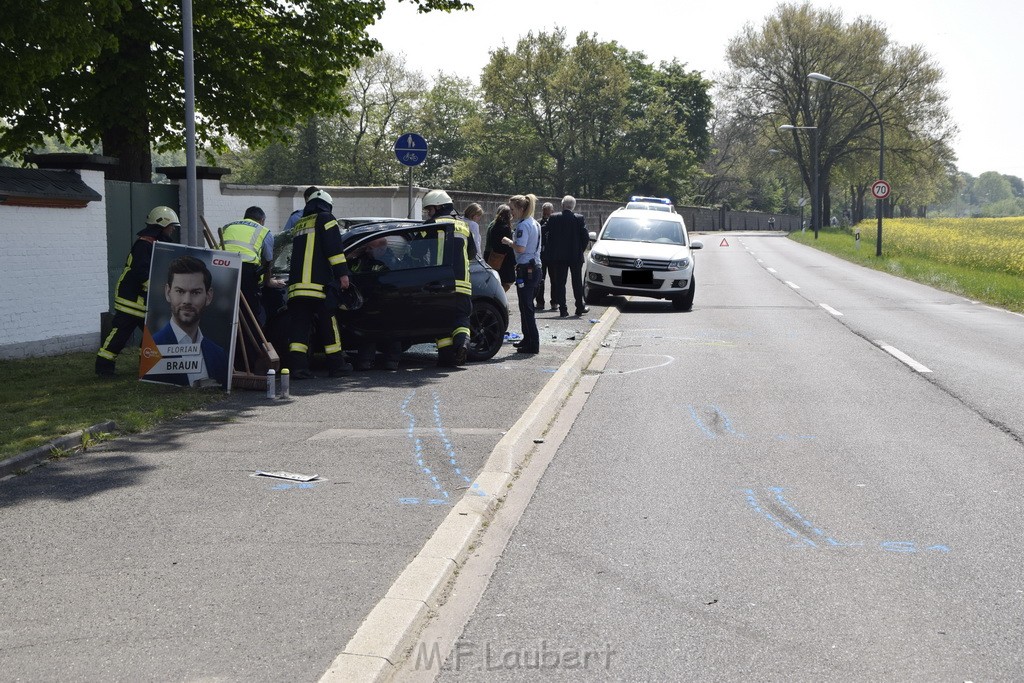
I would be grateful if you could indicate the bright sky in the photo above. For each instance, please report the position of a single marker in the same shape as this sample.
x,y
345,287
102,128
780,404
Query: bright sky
x,y
978,43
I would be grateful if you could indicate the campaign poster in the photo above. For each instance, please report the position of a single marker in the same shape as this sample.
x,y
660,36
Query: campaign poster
x,y
192,316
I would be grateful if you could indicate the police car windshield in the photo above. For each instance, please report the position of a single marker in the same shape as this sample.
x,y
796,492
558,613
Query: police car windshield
x,y
636,230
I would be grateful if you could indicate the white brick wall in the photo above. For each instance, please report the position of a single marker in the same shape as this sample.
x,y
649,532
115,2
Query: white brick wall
x,y
54,285
55,274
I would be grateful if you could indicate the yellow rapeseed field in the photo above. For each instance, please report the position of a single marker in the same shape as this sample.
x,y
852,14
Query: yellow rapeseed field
x,y
993,244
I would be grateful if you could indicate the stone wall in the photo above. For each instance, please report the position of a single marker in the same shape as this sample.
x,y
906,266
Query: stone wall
x,y
54,285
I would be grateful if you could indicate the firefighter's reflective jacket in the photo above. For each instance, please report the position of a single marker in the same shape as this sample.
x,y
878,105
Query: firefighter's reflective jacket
x,y
317,256
133,285
465,248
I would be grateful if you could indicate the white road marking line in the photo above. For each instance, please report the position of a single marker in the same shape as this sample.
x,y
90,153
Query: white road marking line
x,y
772,270
1003,310
793,285
760,261
830,309
896,353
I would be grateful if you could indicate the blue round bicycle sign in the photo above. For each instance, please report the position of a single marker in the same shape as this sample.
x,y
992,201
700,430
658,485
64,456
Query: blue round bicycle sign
x,y
411,149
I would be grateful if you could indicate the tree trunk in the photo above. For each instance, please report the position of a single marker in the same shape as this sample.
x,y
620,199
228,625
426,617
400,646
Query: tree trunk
x,y
131,149
825,188
121,77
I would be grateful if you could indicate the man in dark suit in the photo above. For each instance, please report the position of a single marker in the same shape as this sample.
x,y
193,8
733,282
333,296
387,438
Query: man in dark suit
x,y
189,290
566,240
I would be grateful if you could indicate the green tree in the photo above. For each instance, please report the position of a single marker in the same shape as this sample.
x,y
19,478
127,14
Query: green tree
x,y
443,119
767,86
992,187
111,70
603,121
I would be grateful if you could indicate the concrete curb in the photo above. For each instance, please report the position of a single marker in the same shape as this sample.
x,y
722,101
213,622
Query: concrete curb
x,y
39,454
378,646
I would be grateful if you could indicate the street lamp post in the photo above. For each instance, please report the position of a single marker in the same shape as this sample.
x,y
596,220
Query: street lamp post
x,y
815,195
881,147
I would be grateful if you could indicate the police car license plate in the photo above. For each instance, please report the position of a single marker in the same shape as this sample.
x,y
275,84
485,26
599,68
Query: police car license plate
x,y
638,277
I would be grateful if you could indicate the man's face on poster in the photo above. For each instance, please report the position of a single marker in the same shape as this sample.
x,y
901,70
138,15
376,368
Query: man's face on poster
x,y
188,296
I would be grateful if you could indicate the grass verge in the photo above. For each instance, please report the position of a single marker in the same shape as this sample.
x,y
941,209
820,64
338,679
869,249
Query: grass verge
x,y
44,398
995,288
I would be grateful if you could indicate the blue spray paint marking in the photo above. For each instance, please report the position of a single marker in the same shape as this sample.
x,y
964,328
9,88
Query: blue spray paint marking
x,y
418,455
905,547
704,428
449,449
286,487
727,423
777,490
752,501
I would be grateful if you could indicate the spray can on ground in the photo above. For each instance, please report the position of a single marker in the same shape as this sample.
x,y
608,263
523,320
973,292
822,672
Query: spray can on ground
x,y
271,389
285,382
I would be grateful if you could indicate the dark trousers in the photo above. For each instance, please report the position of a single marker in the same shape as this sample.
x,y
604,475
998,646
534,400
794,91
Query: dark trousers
x,y
531,335
303,311
122,328
558,271
460,329
252,292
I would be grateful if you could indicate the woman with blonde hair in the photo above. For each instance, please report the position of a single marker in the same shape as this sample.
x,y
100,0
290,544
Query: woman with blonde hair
x,y
526,245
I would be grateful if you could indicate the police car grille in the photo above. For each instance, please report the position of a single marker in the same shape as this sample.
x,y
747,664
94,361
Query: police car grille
x,y
630,263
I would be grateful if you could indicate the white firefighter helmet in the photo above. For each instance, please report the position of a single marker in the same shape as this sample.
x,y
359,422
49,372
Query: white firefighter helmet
x,y
436,198
321,195
162,216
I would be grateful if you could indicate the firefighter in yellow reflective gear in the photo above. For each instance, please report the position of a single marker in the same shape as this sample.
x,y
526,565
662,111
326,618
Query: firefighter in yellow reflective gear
x,y
133,287
318,269
439,208
255,244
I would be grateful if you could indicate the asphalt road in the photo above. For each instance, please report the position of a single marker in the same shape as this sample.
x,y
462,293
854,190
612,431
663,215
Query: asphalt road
x,y
161,557
761,490
811,476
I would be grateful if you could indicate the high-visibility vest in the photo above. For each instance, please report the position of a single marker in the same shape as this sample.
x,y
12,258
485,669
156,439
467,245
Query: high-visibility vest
x,y
246,238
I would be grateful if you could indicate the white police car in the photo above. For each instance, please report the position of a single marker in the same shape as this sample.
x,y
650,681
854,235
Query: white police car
x,y
645,253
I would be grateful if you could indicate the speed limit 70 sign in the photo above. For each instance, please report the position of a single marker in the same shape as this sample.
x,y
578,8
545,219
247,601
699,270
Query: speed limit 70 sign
x,y
880,189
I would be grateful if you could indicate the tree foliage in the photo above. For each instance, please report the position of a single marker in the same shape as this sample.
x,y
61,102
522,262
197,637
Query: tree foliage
x,y
767,86
112,70
587,118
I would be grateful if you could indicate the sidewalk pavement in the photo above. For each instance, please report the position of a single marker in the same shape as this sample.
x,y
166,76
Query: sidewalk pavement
x,y
162,555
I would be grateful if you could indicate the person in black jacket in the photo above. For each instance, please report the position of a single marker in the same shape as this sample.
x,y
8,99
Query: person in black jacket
x,y
319,272
545,216
133,287
567,239
500,229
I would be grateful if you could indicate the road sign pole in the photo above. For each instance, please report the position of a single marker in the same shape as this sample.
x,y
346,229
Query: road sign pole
x,y
410,192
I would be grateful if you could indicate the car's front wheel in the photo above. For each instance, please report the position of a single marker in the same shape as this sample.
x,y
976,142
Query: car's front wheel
x,y
684,302
487,331
592,296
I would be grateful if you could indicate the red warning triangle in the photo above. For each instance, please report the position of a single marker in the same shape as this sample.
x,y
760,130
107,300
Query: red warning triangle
x,y
724,243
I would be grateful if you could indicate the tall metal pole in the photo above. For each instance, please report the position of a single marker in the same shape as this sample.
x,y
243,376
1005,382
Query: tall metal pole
x,y
881,148
410,192
192,204
881,175
816,213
